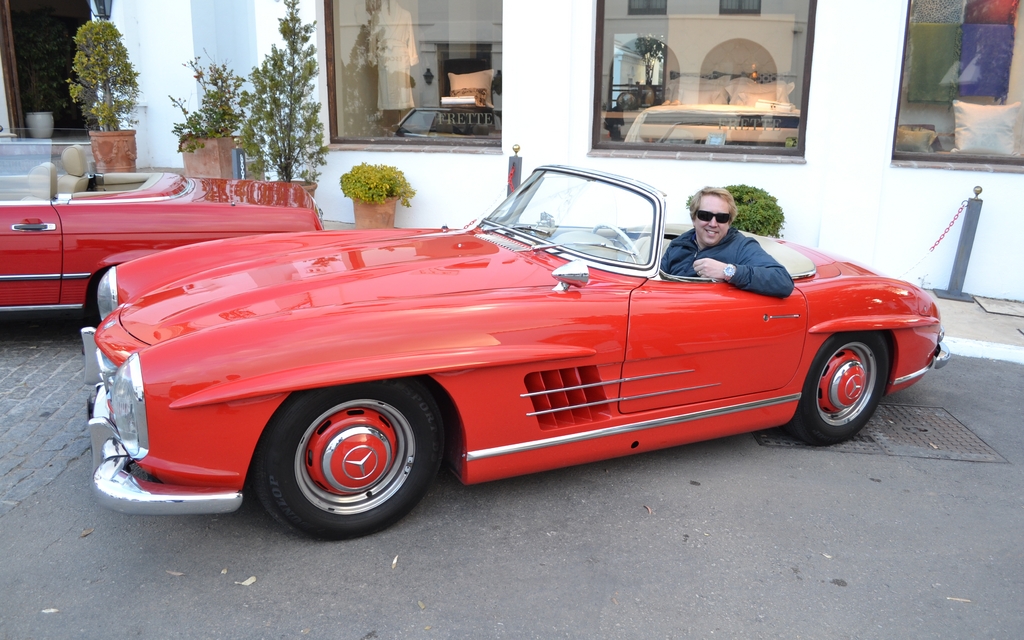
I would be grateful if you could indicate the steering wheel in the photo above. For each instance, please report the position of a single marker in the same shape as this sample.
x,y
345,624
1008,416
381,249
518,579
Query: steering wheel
x,y
621,236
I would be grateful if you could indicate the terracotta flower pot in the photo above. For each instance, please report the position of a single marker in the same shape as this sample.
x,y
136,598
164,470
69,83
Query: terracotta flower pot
x,y
211,161
114,151
375,216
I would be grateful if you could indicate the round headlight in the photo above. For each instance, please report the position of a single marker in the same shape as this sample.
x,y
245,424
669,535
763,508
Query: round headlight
x,y
128,407
106,293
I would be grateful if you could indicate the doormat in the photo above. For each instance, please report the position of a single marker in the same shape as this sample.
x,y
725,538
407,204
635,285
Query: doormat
x,y
1002,307
900,430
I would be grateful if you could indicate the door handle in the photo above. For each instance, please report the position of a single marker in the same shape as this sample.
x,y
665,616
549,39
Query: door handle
x,y
43,226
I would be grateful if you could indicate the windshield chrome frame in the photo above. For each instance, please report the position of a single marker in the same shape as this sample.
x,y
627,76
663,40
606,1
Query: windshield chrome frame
x,y
655,197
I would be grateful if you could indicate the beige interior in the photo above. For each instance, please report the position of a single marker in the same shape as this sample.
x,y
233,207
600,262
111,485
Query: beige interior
x,y
117,182
42,182
77,166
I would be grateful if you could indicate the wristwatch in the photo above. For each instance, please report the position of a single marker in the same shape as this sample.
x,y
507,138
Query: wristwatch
x,y
730,271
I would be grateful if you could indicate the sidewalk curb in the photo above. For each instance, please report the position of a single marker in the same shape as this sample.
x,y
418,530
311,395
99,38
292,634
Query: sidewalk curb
x,y
981,349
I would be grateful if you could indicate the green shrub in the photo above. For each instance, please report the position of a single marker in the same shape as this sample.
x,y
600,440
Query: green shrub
x,y
758,212
219,114
375,183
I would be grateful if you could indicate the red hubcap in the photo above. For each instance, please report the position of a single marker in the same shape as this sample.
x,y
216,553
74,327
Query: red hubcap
x,y
842,382
350,451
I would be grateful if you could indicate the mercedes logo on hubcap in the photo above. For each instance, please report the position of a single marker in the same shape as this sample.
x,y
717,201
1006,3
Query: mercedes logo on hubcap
x,y
360,462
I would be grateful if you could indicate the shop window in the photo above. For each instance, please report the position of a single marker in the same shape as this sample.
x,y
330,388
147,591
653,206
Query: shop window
x,y
962,83
648,7
700,78
739,6
414,71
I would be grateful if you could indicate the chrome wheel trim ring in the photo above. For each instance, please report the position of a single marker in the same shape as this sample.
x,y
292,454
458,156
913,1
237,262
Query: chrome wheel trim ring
x,y
836,377
403,453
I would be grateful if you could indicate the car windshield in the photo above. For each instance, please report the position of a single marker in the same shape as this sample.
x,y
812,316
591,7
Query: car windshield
x,y
579,214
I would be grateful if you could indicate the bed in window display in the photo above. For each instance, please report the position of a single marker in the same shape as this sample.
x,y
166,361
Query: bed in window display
x,y
720,109
466,111
957,76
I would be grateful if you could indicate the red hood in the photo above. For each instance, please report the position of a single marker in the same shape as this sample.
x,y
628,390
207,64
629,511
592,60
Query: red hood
x,y
246,278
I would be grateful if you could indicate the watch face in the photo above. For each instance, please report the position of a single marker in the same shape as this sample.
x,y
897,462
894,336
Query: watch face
x,y
730,270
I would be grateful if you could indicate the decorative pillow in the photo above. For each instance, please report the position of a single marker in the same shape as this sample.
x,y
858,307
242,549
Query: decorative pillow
x,y
714,95
475,92
749,92
986,129
912,139
478,80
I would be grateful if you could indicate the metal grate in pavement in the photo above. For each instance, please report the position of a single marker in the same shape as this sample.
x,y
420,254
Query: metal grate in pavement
x,y
899,430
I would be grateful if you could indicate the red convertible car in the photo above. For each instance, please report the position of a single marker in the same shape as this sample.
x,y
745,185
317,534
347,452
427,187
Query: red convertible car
x,y
58,235
335,372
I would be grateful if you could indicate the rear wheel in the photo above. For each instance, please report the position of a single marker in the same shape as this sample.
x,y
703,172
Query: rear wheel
x,y
842,390
347,461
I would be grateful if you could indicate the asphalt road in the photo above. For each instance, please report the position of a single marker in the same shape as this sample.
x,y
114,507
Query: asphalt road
x,y
720,539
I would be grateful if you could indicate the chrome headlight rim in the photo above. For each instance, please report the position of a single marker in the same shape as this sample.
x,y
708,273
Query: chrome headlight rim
x,y
106,293
128,407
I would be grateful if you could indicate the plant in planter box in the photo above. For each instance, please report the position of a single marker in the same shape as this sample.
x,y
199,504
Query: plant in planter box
x,y
107,87
282,132
205,138
375,190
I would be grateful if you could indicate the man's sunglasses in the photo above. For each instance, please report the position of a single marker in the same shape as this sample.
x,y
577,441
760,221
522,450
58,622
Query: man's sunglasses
x,y
705,216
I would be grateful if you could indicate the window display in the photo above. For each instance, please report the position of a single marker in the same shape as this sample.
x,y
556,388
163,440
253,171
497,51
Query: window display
x,y
963,79
423,69
732,75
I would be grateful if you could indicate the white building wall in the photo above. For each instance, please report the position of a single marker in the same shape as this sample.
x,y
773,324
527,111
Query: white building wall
x,y
846,198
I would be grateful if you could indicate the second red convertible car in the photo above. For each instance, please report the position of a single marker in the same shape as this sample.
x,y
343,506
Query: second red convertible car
x,y
59,235
337,371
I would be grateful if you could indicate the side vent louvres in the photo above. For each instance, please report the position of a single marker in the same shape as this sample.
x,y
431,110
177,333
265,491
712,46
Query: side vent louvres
x,y
566,397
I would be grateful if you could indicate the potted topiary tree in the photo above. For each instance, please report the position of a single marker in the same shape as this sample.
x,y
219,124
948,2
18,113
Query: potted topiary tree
x,y
206,137
282,131
107,87
375,190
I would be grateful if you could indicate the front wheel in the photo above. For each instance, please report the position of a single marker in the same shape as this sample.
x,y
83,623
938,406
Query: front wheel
x,y
347,461
842,390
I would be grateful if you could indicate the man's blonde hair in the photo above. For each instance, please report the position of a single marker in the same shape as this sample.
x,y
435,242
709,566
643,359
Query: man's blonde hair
x,y
712,191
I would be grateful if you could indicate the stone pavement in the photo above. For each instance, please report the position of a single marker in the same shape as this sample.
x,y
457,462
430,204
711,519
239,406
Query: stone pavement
x,y
42,405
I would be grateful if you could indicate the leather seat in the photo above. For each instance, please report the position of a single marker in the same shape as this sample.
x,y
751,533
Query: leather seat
x,y
42,182
77,165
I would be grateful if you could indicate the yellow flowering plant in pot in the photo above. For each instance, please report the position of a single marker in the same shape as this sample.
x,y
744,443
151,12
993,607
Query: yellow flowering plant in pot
x,y
376,190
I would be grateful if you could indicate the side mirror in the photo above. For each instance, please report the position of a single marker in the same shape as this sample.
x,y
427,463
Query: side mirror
x,y
573,274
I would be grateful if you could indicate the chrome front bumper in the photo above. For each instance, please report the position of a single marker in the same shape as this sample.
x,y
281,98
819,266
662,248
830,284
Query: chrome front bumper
x,y
941,356
118,490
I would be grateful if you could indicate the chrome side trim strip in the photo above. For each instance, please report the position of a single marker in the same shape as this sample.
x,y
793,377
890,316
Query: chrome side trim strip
x,y
43,307
601,384
626,428
31,276
76,276
622,399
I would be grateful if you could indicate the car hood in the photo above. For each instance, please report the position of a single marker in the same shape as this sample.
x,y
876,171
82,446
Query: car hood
x,y
247,278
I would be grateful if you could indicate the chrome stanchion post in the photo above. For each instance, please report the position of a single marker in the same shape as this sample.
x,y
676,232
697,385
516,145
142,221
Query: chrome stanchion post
x,y
963,252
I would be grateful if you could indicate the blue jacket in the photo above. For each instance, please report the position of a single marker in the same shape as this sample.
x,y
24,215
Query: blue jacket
x,y
756,271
